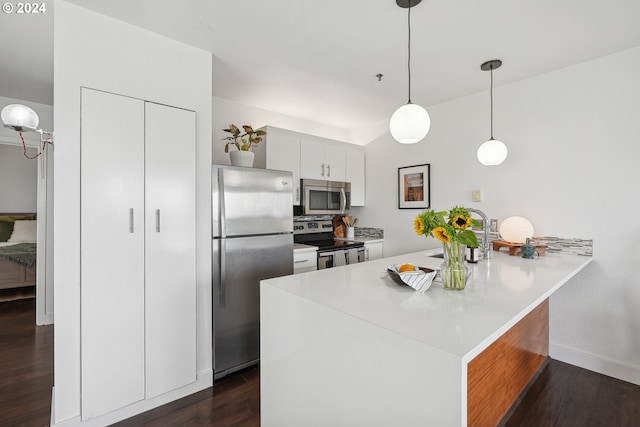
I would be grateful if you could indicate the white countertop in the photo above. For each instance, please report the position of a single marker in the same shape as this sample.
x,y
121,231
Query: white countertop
x,y
500,292
300,248
364,239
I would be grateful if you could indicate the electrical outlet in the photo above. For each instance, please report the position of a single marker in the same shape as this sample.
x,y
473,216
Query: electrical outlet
x,y
493,224
476,195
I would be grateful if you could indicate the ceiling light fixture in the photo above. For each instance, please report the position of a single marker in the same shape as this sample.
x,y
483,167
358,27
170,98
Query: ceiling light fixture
x,y
492,152
21,118
410,123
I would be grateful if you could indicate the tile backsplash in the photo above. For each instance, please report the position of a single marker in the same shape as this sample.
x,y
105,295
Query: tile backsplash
x,y
377,233
577,246
565,245
554,244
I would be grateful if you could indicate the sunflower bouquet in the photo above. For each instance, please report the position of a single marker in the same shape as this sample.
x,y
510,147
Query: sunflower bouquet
x,y
453,229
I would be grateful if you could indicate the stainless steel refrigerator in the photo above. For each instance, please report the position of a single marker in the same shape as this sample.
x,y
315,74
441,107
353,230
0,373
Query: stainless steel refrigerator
x,y
252,240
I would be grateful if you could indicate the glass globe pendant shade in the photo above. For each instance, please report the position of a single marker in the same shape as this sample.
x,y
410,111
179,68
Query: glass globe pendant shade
x,y
516,229
409,124
492,152
19,118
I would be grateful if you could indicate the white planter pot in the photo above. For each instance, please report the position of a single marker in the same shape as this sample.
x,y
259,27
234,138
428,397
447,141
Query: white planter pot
x,y
242,158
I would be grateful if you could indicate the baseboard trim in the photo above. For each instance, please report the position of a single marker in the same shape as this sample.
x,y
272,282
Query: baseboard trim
x,y
595,363
44,319
205,380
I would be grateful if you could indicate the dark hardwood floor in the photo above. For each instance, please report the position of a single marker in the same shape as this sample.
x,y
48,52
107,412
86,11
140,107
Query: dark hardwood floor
x,y
565,395
562,395
26,366
233,401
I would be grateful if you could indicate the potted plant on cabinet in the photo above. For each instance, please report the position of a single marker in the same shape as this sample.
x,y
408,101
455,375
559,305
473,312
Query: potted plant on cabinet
x,y
244,143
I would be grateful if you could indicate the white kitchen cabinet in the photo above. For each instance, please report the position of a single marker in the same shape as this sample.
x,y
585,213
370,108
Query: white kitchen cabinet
x,y
283,153
373,250
305,259
138,301
320,159
312,157
354,173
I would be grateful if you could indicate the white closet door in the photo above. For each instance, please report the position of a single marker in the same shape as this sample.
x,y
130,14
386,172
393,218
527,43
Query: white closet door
x,y
170,248
112,252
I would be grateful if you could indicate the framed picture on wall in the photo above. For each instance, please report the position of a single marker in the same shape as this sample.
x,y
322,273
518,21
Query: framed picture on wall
x,y
414,187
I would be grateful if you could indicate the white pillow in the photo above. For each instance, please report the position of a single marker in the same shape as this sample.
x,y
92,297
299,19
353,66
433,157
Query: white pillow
x,y
24,231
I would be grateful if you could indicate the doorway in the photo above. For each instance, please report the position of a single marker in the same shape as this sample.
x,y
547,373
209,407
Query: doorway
x,y
27,189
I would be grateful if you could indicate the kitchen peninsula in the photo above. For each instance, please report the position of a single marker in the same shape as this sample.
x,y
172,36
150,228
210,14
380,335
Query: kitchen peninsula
x,y
349,347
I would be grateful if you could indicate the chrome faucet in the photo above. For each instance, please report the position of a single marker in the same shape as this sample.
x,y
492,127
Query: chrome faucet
x,y
486,251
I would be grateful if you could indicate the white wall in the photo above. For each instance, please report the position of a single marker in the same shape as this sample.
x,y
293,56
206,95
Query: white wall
x,y
18,179
95,51
573,140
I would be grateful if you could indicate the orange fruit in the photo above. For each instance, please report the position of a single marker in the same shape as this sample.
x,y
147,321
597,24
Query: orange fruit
x,y
406,267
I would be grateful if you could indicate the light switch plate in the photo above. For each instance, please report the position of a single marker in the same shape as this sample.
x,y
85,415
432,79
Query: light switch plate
x,y
476,195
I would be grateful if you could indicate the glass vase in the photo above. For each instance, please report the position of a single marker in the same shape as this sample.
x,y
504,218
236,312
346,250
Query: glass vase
x,y
454,271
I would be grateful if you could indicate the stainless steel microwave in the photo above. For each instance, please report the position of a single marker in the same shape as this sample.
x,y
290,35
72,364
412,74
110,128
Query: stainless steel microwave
x,y
325,197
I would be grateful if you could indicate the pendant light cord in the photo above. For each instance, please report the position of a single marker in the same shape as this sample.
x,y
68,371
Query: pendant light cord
x,y
409,49
491,98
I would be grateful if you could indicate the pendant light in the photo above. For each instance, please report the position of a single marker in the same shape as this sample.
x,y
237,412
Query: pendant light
x,y
410,123
492,152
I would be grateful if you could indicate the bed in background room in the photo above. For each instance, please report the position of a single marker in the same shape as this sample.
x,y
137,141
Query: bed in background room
x,y
17,250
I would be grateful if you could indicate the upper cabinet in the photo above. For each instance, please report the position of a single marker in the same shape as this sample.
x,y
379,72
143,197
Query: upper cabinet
x,y
282,152
320,159
312,157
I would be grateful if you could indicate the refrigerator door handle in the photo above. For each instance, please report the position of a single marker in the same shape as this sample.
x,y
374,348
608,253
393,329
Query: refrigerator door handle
x,y
223,273
223,214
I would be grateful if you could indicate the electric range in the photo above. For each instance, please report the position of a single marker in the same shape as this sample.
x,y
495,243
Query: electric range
x,y
332,252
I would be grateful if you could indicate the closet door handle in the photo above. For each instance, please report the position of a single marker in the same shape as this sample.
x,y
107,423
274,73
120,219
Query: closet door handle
x,y
157,220
329,170
323,169
130,220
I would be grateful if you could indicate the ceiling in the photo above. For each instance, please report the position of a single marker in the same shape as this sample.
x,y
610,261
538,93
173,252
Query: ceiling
x,y
318,60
